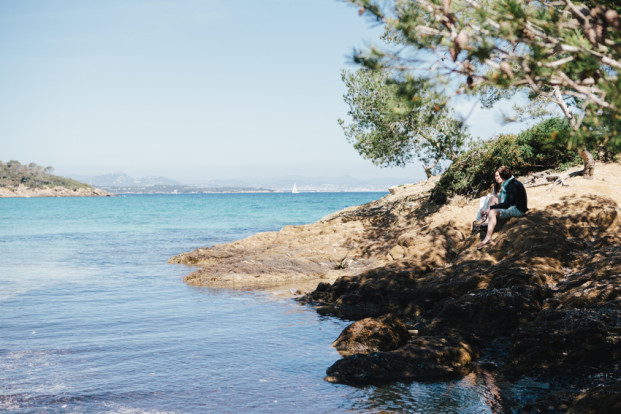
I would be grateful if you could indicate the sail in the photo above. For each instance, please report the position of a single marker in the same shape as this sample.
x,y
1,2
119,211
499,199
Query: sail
x,y
294,190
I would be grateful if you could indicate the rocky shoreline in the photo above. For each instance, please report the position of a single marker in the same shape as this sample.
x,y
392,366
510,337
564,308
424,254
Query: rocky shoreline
x,y
26,192
541,304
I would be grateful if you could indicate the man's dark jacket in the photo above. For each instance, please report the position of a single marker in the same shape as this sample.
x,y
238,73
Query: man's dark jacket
x,y
516,196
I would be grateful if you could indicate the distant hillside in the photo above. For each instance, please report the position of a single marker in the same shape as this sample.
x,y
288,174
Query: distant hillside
x,y
120,183
32,180
124,180
14,174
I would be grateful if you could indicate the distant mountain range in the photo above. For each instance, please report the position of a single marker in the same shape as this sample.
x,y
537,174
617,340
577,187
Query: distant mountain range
x,y
124,180
121,182
304,183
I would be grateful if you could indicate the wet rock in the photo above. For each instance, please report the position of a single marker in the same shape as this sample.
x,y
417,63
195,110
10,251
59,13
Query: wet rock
x,y
385,333
421,359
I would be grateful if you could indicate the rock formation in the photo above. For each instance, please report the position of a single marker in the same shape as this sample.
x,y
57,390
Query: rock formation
x,y
23,191
541,302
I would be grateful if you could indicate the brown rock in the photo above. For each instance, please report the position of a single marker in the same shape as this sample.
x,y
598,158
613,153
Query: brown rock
x,y
421,359
385,333
487,313
568,342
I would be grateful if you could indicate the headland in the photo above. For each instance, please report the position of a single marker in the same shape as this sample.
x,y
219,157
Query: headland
x,y
542,303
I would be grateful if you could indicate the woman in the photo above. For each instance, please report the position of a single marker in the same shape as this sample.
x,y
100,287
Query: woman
x,y
487,201
513,203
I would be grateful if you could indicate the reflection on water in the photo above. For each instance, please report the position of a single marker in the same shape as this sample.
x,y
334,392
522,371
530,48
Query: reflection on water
x,y
476,393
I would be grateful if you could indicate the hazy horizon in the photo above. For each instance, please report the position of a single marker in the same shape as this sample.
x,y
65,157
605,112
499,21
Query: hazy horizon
x,y
187,89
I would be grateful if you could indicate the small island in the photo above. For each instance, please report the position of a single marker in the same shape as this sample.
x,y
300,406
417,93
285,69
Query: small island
x,y
32,180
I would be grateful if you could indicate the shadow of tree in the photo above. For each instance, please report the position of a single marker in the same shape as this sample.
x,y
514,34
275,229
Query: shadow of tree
x,y
383,223
548,291
485,295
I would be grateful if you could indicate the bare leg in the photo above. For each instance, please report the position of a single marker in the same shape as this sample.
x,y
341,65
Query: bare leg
x,y
491,223
493,200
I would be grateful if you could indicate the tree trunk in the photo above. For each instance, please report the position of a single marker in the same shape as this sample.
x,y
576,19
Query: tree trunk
x,y
587,158
589,163
428,172
428,168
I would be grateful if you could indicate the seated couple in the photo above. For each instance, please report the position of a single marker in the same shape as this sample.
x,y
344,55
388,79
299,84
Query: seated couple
x,y
508,199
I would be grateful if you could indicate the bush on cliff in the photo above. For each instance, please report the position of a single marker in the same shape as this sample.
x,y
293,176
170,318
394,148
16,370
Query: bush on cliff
x,y
539,148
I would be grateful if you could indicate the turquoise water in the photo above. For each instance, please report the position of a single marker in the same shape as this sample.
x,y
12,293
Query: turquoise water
x,y
93,319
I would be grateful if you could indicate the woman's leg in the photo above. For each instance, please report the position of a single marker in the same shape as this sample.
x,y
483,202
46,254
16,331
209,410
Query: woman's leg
x,y
491,224
493,200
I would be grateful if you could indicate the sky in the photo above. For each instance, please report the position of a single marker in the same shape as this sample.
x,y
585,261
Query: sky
x,y
192,90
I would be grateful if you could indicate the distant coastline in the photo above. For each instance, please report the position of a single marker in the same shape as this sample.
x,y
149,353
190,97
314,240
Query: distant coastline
x,y
32,180
58,191
181,189
219,190
120,183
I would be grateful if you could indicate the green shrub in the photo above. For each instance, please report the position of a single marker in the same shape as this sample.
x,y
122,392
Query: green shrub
x,y
539,148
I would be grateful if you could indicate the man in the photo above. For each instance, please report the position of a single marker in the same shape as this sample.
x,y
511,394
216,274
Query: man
x,y
514,204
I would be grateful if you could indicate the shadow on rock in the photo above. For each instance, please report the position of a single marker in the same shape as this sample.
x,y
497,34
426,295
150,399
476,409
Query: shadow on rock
x,y
421,359
548,288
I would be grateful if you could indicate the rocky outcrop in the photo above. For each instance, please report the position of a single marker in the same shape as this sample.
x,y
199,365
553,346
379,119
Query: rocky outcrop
x,y
385,333
421,359
23,191
344,243
542,301
548,289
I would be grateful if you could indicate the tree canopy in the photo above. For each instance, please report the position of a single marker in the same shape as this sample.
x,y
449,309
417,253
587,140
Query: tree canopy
x,y
391,130
567,52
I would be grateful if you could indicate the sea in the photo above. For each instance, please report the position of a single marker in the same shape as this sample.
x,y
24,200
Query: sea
x,y
94,320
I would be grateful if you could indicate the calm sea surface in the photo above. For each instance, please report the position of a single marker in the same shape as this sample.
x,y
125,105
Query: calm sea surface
x,y
93,319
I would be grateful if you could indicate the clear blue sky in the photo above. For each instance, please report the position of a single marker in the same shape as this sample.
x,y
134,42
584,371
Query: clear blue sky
x,y
187,89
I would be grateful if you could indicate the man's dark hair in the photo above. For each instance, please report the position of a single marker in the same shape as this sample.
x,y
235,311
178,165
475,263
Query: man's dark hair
x,y
504,172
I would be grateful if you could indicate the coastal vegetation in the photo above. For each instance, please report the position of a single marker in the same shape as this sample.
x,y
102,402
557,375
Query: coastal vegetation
x,y
32,180
542,147
557,53
13,174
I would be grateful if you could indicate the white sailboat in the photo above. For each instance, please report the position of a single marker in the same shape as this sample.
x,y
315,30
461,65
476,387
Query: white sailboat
x,y
294,190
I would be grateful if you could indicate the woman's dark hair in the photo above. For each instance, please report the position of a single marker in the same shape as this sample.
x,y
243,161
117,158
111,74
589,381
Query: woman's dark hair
x,y
504,172
496,187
